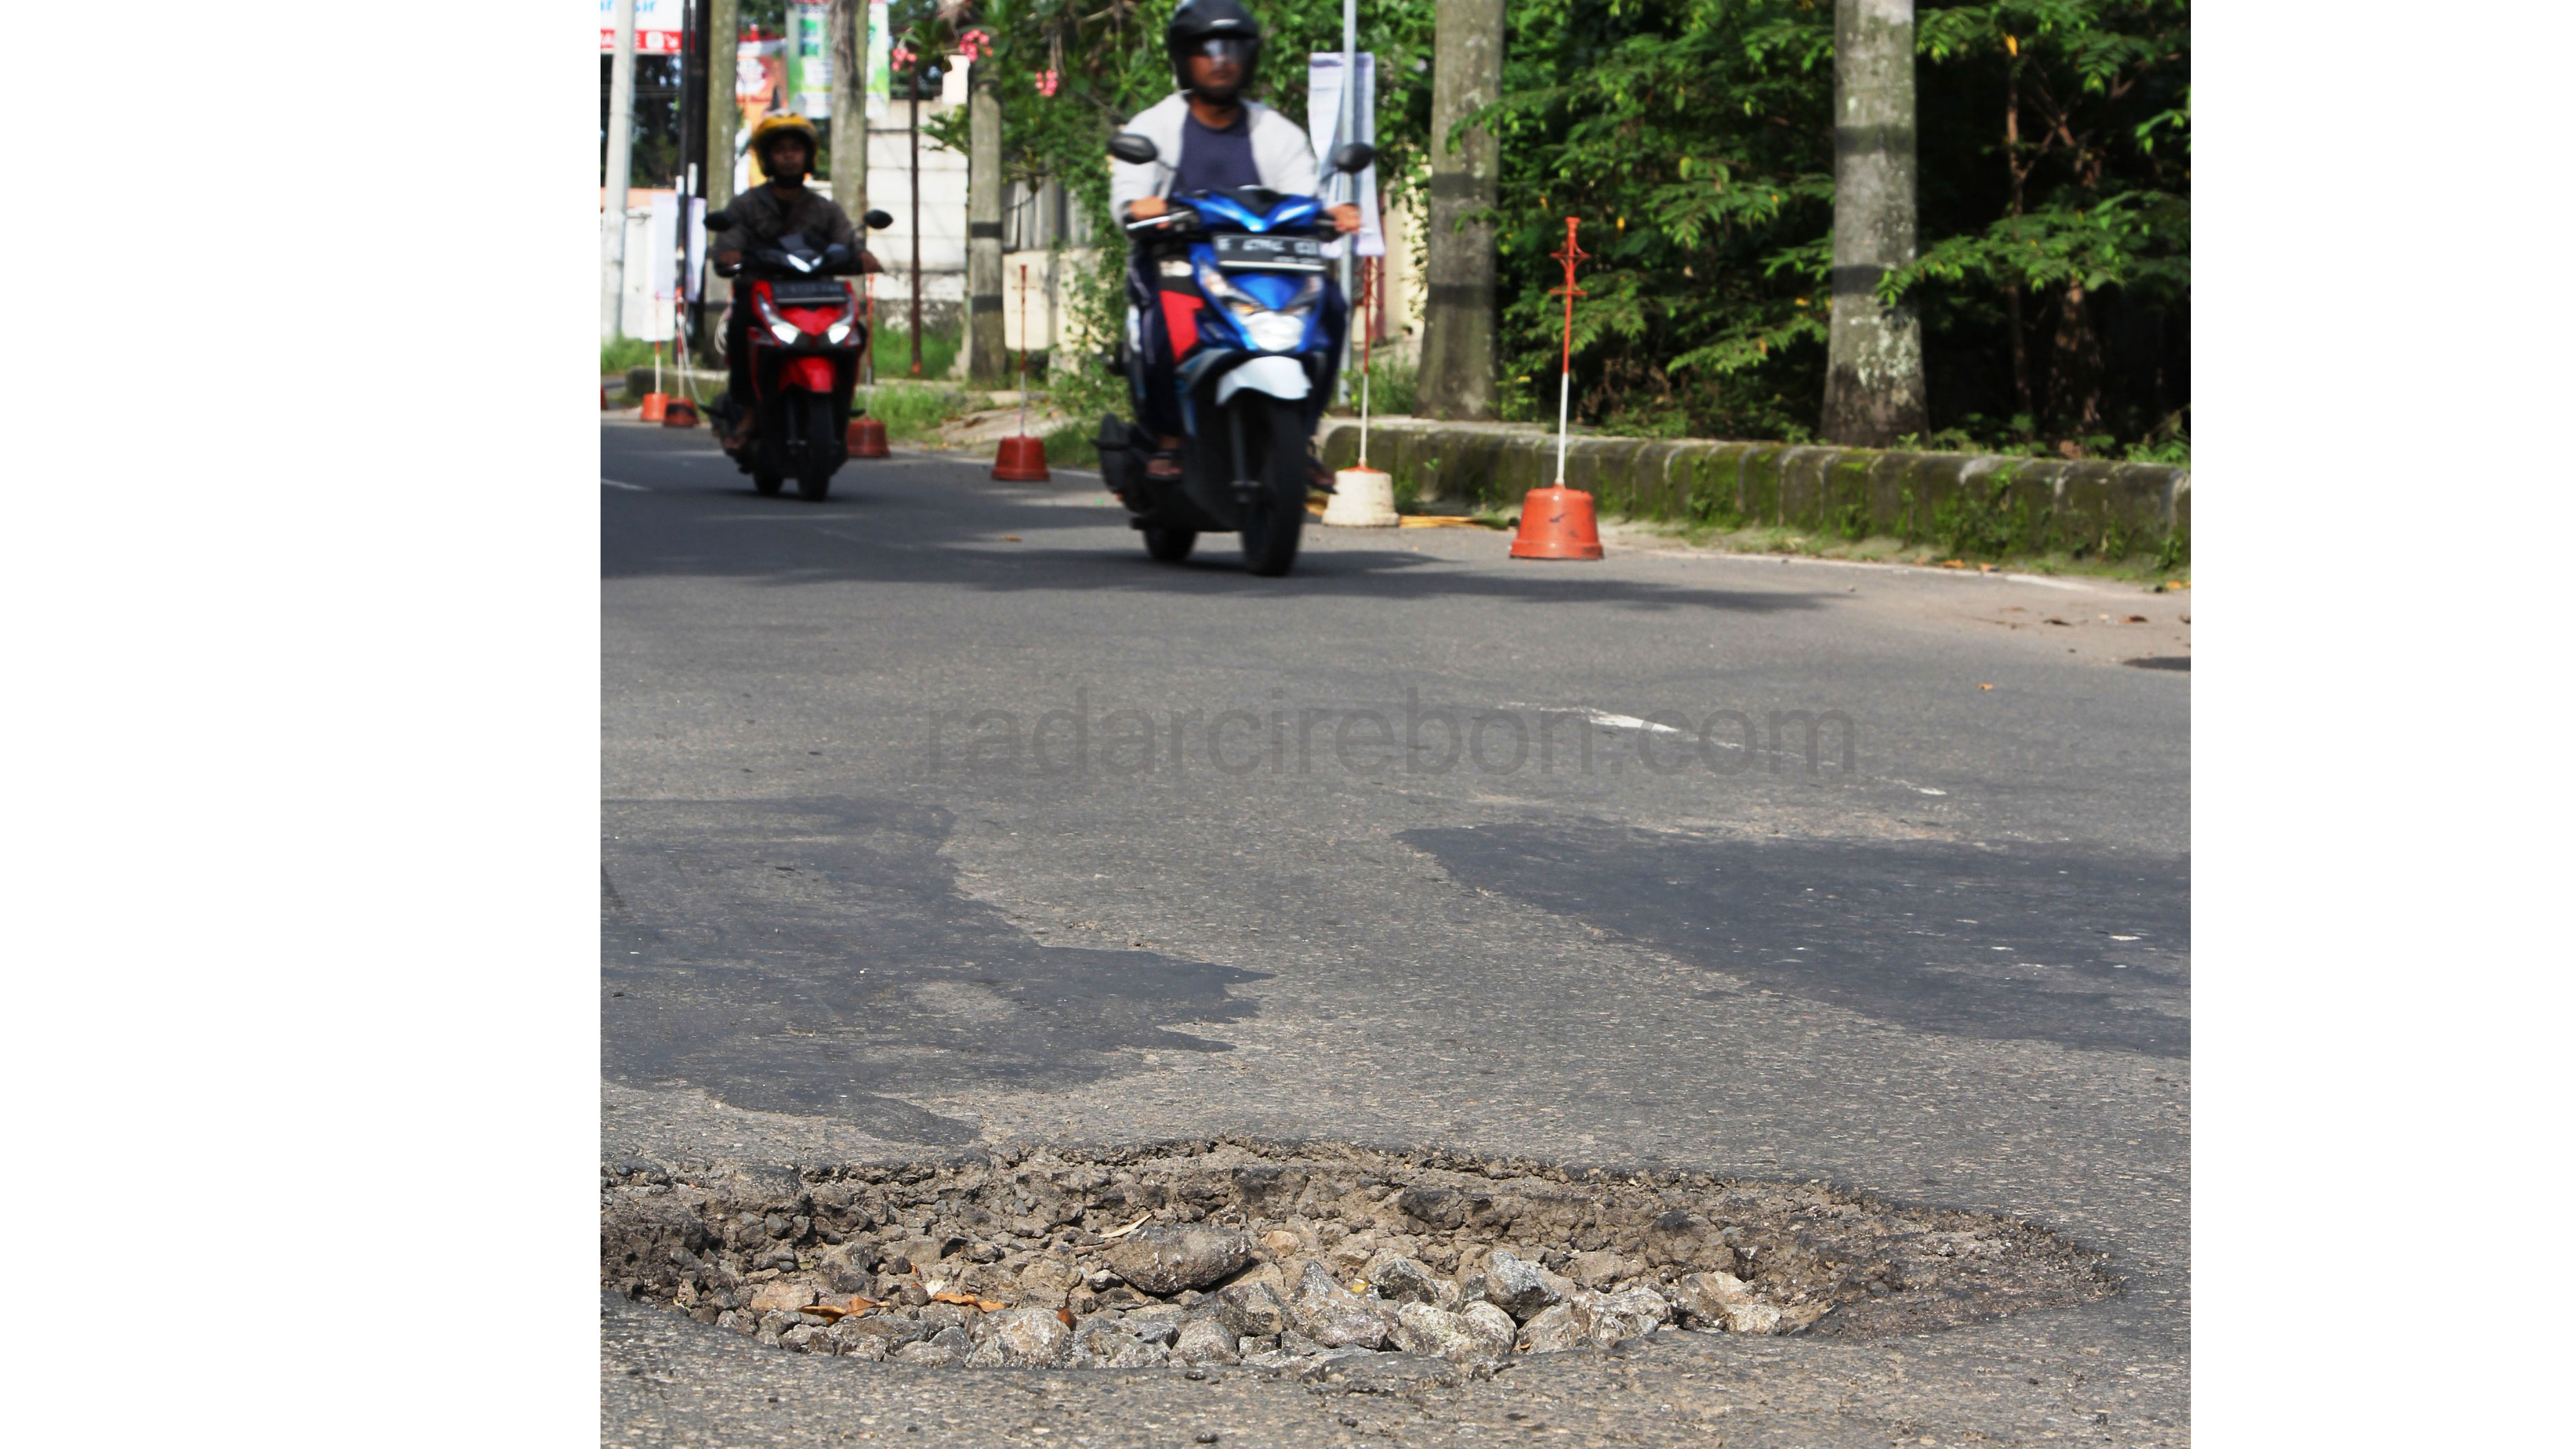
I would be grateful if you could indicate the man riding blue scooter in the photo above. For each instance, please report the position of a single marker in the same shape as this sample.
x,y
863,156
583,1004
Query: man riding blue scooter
x,y
1218,193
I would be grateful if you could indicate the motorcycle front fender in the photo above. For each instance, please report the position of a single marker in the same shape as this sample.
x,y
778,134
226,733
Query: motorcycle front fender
x,y
1280,376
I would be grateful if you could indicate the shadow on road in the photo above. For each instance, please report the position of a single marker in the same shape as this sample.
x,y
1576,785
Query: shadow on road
x,y
816,957
2079,948
926,523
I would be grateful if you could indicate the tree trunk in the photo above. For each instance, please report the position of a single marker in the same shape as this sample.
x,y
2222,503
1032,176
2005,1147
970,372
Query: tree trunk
x,y
2012,290
1874,355
1457,375
724,117
984,350
2075,369
848,32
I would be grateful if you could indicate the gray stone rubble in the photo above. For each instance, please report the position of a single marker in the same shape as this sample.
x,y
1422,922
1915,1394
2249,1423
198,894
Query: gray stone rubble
x,y
1341,1265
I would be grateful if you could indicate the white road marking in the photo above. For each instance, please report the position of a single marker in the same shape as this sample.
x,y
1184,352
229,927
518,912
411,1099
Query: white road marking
x,y
629,487
1917,789
1606,720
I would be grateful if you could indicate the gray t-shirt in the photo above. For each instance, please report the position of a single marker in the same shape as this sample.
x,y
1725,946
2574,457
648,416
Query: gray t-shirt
x,y
1216,160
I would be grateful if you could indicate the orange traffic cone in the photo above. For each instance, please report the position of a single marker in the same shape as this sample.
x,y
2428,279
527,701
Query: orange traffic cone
x,y
1557,523
679,412
1021,460
654,403
867,438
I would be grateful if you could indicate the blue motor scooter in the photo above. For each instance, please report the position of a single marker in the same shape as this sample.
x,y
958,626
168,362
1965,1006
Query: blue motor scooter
x,y
1252,385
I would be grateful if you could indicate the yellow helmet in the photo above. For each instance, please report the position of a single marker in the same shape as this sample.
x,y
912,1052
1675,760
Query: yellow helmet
x,y
779,124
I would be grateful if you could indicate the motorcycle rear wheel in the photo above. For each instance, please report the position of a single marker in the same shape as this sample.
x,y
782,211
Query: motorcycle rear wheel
x,y
814,471
1170,545
766,483
1276,513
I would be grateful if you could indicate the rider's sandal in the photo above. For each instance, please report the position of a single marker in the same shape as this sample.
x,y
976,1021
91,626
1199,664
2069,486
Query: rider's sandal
x,y
1162,467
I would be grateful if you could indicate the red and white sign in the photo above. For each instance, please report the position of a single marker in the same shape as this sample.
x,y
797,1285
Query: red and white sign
x,y
657,26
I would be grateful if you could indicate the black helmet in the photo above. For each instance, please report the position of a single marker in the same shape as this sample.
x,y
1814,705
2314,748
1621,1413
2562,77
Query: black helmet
x,y
1200,24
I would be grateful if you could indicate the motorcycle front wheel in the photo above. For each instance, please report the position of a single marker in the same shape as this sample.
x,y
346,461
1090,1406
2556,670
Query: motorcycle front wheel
x,y
1276,513
814,470
1170,545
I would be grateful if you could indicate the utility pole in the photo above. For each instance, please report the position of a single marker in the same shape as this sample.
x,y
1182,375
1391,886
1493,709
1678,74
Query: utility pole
x,y
724,54
1873,353
914,90
621,150
1347,186
696,78
1458,324
984,351
849,43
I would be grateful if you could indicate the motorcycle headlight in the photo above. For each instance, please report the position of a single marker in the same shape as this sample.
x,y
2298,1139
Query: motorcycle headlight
x,y
1272,329
838,332
785,332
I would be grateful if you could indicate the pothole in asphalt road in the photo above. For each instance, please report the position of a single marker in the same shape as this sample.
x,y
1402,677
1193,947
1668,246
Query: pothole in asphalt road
x,y
1337,1263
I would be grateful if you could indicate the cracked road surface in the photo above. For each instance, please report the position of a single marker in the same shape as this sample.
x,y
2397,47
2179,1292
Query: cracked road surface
x,y
936,814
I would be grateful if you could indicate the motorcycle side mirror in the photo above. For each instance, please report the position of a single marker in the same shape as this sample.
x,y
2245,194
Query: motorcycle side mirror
x,y
1133,149
719,221
1354,158
878,221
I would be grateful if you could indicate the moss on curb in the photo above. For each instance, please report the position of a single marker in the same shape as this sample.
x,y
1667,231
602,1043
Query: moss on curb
x,y
2129,520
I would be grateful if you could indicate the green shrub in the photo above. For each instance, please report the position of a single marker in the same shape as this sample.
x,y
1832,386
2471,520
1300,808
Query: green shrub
x,y
911,411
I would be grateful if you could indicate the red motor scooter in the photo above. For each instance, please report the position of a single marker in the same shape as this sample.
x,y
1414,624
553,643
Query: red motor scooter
x,y
805,336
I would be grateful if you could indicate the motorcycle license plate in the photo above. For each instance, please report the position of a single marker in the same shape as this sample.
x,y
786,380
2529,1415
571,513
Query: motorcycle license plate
x,y
793,292
1246,251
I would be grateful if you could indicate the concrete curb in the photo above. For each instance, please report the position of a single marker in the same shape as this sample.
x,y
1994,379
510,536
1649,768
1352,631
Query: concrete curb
x,y
1976,504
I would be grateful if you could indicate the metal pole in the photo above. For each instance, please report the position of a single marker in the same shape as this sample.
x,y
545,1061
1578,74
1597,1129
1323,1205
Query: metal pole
x,y
612,201
1350,132
915,215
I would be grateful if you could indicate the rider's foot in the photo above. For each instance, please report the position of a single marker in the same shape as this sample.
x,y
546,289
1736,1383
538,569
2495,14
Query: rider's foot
x,y
1163,466
1318,477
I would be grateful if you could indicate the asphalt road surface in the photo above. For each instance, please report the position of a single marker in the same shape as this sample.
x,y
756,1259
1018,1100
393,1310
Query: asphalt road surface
x,y
937,814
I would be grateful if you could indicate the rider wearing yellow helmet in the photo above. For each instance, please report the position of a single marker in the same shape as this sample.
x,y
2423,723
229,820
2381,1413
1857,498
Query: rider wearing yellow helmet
x,y
785,143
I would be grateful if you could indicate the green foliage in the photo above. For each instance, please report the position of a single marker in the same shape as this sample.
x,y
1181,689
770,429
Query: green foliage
x,y
1069,445
1391,388
625,352
912,411
1694,138
939,349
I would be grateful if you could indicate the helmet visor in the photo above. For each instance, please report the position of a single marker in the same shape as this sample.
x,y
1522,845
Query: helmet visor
x,y
1225,49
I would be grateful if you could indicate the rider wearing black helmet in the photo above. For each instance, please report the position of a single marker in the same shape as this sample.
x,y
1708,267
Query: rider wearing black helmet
x,y
1209,138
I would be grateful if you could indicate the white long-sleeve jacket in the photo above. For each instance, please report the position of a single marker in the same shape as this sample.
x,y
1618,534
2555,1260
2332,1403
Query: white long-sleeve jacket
x,y
1280,151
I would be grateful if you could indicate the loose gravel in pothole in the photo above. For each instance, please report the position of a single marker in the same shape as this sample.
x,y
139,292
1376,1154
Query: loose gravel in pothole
x,y
1335,1262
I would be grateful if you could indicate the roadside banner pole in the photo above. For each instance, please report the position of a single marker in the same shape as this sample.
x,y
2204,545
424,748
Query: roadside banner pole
x,y
1022,459
866,433
1363,497
1556,521
1368,334
1572,254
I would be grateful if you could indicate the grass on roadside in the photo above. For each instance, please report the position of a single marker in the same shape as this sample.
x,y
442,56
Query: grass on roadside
x,y
1069,445
939,349
2140,568
615,357
912,411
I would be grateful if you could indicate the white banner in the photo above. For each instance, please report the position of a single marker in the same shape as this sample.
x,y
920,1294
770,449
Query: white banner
x,y
1323,127
657,26
652,268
